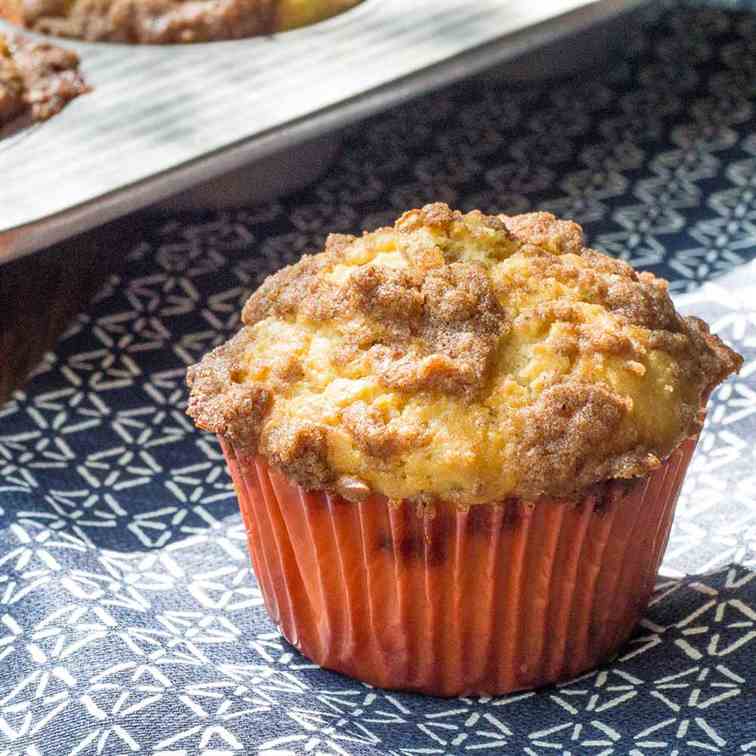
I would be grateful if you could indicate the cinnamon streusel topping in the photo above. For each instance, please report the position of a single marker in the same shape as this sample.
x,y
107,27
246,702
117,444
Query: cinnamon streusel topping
x,y
460,357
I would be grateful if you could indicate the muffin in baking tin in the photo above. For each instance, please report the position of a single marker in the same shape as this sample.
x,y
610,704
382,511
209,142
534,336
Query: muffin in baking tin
x,y
168,21
457,445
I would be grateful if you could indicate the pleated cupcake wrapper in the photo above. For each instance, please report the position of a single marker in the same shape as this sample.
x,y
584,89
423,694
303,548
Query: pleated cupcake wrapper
x,y
496,598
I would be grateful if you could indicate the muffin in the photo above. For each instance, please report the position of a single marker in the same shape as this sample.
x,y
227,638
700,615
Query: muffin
x,y
457,446
36,79
168,21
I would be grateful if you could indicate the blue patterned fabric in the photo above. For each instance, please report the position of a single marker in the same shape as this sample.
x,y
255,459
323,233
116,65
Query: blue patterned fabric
x,y
130,620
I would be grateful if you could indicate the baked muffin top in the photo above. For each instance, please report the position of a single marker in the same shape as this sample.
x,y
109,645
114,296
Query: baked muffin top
x,y
37,79
463,358
167,21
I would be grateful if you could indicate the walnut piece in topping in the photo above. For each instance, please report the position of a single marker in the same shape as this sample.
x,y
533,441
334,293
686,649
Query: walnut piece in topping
x,y
352,489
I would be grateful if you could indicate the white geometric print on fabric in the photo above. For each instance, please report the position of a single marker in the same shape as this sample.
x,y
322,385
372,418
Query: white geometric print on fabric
x,y
130,620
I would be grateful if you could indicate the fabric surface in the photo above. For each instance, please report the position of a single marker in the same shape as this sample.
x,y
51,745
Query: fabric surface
x,y
130,620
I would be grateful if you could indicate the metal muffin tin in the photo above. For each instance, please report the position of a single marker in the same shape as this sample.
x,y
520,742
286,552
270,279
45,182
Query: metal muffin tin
x,y
164,119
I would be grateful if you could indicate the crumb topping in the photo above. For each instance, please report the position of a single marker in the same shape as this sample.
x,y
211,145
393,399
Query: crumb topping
x,y
36,79
465,358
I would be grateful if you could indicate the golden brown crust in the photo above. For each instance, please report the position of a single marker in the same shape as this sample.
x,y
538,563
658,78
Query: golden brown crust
x,y
381,439
463,357
718,360
220,402
441,330
166,21
296,288
544,231
300,451
36,79
565,422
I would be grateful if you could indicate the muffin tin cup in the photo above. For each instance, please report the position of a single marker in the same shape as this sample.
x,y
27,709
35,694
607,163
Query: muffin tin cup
x,y
491,599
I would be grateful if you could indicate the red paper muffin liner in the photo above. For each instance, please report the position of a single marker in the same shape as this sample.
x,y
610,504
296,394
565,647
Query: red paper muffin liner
x,y
496,598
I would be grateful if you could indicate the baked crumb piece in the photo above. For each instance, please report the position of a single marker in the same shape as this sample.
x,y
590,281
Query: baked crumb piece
x,y
464,358
37,79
